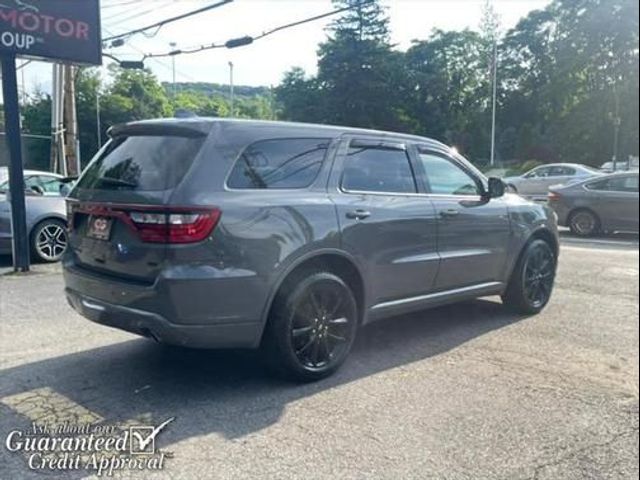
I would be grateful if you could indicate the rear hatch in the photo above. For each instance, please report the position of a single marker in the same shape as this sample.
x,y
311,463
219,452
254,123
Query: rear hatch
x,y
120,214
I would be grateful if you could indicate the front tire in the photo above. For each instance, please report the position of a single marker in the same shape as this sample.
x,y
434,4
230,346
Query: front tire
x,y
532,281
49,240
311,328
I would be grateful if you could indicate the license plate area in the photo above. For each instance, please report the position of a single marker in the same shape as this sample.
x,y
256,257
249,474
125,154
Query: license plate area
x,y
99,227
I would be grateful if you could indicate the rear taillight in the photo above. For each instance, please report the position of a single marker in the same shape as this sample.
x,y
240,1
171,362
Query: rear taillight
x,y
174,226
553,196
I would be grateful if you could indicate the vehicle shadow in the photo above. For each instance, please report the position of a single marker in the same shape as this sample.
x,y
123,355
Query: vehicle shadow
x,y
228,392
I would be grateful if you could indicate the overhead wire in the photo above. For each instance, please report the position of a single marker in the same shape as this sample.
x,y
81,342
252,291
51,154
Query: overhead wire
x,y
164,22
248,39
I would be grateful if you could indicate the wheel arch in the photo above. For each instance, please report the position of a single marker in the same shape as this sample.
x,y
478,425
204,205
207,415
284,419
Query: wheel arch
x,y
334,261
541,233
546,235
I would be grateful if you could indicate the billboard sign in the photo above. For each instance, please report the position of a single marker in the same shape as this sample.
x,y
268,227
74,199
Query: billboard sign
x,y
67,30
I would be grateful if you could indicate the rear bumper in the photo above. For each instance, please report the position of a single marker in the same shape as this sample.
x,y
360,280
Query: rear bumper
x,y
151,311
561,211
146,324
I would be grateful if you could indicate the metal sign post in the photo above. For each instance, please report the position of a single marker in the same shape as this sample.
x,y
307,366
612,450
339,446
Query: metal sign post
x,y
16,177
67,30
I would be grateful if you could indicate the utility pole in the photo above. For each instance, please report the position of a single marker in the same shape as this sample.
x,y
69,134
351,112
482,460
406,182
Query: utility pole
x,y
617,121
70,122
493,101
173,45
57,165
231,106
98,121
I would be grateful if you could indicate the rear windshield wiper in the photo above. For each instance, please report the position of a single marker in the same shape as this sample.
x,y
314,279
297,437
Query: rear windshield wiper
x,y
117,181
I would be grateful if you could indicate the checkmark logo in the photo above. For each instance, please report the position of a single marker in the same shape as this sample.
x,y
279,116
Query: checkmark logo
x,y
142,439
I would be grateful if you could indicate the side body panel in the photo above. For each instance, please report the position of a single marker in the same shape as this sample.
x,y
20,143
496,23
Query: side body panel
x,y
396,243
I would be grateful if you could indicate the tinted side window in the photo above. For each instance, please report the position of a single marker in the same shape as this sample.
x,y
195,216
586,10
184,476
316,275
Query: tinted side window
x,y
563,171
622,184
446,178
540,172
376,169
279,163
619,184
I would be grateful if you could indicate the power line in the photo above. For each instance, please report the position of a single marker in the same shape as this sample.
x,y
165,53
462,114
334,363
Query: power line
x,y
246,40
160,24
121,4
141,14
137,12
157,60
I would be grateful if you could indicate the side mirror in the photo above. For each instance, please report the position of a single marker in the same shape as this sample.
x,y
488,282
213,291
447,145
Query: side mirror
x,y
36,189
497,188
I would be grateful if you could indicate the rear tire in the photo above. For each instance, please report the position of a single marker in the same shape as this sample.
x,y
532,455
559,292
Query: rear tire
x,y
49,240
584,223
531,284
311,328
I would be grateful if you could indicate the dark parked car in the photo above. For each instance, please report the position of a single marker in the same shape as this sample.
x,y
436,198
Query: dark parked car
x,y
46,214
226,233
605,204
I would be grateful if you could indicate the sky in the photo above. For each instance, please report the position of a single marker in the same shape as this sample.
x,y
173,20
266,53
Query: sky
x,y
265,61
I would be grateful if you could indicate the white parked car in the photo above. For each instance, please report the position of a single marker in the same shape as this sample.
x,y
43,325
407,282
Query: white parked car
x,y
537,181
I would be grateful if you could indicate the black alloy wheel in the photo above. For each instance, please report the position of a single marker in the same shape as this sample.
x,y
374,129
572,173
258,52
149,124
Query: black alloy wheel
x,y
312,327
531,284
539,273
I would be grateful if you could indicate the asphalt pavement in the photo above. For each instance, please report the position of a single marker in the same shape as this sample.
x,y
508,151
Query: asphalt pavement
x,y
463,392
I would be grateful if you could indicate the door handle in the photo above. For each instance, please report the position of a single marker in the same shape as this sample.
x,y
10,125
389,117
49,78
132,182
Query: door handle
x,y
449,213
358,214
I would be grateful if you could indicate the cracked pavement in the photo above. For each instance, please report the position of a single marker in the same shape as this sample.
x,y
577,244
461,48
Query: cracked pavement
x,y
462,392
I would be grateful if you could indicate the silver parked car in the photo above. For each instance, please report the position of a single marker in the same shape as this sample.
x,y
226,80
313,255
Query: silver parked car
x,y
46,214
606,204
536,182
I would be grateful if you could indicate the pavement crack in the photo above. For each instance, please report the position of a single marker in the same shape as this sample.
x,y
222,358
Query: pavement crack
x,y
539,468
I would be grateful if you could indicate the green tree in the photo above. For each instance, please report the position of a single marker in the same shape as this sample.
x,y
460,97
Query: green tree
x,y
359,75
134,95
449,89
565,69
299,97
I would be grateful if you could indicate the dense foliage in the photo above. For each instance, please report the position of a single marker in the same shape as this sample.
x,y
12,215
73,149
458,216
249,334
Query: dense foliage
x,y
135,95
565,74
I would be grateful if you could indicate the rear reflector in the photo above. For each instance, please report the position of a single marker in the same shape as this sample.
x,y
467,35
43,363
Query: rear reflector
x,y
174,227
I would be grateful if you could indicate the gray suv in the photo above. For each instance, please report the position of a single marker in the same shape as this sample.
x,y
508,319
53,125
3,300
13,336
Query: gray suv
x,y
225,233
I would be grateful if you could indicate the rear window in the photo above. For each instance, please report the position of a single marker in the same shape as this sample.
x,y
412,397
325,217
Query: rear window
x,y
280,163
142,163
